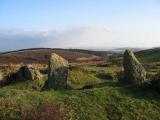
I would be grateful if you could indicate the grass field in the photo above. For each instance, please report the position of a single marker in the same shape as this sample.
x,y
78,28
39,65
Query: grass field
x,y
107,100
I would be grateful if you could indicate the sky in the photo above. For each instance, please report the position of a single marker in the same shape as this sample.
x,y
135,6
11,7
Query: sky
x,y
79,23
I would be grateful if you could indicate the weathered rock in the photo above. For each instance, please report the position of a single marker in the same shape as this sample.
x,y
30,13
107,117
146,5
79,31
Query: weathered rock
x,y
28,72
24,73
58,72
133,70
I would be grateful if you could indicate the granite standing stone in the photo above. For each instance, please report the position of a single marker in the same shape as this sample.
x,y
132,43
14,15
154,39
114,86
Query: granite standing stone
x,y
134,72
58,72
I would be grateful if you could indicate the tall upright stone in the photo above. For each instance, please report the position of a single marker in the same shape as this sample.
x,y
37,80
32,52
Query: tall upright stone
x,y
58,72
134,72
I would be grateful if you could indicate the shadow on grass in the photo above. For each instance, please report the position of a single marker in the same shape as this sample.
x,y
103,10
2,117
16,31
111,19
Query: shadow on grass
x,y
133,91
6,83
106,84
140,92
98,85
104,76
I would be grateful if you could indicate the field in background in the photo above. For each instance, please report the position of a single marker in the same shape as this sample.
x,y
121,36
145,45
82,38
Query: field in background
x,y
42,55
151,55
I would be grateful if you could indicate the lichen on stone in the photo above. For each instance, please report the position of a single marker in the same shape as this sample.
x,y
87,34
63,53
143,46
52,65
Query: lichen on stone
x,y
58,72
134,72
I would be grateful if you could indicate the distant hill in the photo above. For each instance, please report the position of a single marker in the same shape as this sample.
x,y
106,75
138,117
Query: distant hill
x,y
121,50
150,55
94,52
42,55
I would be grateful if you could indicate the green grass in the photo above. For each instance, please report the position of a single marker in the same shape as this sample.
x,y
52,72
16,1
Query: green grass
x,y
106,101
150,56
79,79
153,68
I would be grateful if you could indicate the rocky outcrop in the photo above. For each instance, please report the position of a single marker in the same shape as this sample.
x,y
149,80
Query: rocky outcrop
x,y
134,72
24,73
29,73
58,72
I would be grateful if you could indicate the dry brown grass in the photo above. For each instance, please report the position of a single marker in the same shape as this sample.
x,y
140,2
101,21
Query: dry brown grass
x,y
41,56
45,111
88,59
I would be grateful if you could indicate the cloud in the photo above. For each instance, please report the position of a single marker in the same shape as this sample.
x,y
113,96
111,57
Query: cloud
x,y
92,36
76,37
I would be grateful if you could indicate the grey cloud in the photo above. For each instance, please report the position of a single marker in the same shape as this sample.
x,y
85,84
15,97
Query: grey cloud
x,y
94,36
12,39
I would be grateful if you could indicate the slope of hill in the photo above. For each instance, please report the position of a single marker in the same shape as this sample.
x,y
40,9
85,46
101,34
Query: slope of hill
x,y
151,55
41,55
94,52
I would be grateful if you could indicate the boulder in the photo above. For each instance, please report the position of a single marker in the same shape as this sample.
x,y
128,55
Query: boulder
x,y
24,73
134,72
28,72
58,72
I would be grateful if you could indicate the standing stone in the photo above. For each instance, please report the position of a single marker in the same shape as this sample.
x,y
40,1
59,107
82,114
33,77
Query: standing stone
x,y
58,72
133,71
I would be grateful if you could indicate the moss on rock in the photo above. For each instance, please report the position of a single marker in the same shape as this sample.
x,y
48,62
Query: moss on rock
x,y
58,72
134,72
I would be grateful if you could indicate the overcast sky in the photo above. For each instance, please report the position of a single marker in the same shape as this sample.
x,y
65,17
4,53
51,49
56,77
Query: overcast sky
x,y
79,23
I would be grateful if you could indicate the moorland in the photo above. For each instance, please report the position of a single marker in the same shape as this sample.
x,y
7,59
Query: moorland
x,y
93,92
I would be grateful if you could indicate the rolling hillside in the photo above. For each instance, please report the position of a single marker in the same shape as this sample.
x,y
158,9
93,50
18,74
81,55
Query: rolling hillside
x,y
93,91
145,56
93,52
41,55
151,55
